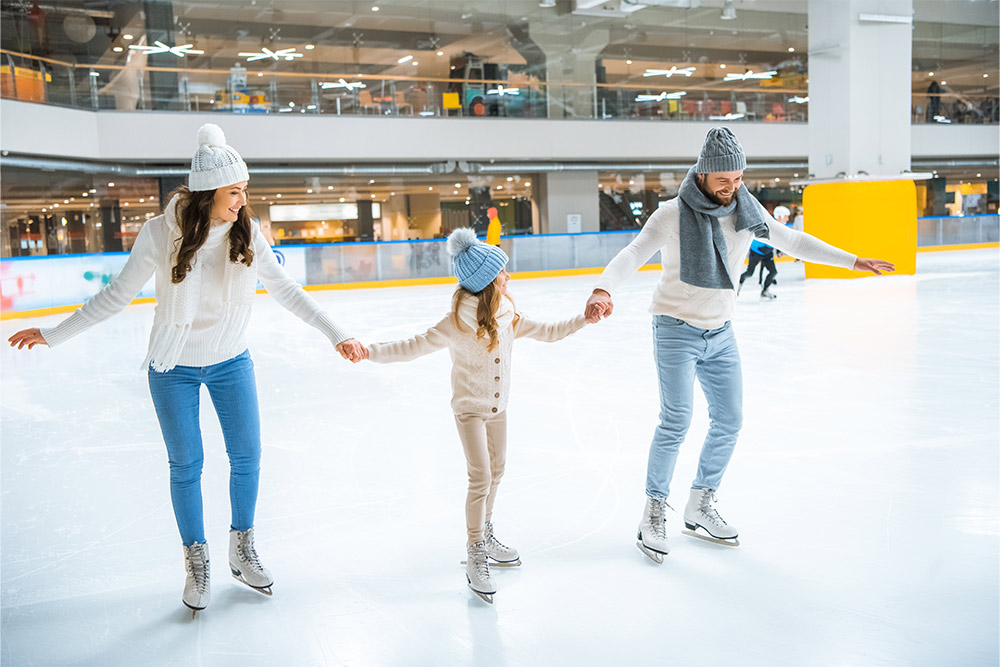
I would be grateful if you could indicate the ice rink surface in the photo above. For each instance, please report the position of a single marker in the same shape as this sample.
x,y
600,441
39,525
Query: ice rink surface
x,y
865,489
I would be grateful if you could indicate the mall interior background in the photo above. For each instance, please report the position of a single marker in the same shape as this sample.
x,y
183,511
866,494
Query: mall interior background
x,y
534,109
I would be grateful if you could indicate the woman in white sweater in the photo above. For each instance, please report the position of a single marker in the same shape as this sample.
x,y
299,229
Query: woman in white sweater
x,y
206,254
479,332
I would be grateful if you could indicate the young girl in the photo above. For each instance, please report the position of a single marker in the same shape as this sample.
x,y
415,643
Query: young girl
x,y
207,255
479,332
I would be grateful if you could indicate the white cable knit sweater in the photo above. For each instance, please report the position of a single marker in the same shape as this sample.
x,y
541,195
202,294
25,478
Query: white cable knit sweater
x,y
698,306
480,379
206,342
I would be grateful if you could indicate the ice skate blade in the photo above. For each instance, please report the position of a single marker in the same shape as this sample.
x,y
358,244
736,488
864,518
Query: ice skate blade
x,y
194,610
499,563
265,590
655,556
485,597
733,542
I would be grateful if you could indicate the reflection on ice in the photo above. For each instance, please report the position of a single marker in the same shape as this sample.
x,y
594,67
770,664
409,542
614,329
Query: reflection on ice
x,y
864,485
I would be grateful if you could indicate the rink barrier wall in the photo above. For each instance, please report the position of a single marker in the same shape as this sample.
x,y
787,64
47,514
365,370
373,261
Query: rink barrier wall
x,y
47,285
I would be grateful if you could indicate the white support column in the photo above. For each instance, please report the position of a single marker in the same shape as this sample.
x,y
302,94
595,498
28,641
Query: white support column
x,y
569,193
859,86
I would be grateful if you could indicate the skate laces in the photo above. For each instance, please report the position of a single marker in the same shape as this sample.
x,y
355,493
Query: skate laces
x,y
492,541
197,566
246,551
705,507
477,556
658,517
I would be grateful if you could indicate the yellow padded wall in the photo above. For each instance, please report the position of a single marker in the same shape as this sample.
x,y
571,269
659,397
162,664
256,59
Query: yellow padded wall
x,y
869,219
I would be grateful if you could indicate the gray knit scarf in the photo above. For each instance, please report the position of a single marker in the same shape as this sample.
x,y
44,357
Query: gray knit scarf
x,y
703,247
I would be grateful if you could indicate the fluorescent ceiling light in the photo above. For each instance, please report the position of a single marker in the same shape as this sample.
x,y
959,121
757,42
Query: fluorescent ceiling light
x,y
750,74
798,100
404,59
179,51
686,71
287,54
342,84
662,96
501,91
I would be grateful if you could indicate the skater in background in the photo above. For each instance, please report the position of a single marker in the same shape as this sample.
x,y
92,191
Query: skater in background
x,y
703,235
479,333
763,254
207,255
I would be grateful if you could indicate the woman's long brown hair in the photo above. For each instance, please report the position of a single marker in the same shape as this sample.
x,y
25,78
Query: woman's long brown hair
x,y
488,303
194,214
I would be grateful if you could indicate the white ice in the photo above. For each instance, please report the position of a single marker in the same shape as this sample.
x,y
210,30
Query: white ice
x,y
865,489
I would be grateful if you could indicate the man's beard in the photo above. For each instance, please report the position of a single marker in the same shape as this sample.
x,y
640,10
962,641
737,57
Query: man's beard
x,y
712,196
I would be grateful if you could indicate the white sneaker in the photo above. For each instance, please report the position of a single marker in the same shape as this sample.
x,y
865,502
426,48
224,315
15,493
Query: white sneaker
x,y
652,537
498,551
245,563
477,572
197,582
701,513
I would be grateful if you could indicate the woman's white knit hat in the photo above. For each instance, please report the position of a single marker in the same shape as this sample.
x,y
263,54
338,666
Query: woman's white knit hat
x,y
215,164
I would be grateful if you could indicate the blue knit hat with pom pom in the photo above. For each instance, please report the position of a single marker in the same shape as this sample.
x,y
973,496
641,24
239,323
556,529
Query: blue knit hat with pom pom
x,y
477,264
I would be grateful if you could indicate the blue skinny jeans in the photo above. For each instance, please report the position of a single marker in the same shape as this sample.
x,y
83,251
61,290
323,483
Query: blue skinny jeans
x,y
176,397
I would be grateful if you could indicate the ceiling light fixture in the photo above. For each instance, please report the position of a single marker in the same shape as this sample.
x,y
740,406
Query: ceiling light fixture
x,y
501,91
750,74
287,54
686,71
342,84
179,51
662,96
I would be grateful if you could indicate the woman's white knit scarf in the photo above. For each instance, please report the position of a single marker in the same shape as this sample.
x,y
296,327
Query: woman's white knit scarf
x,y
179,303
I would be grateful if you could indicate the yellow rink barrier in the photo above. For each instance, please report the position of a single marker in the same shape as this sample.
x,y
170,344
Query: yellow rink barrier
x,y
876,219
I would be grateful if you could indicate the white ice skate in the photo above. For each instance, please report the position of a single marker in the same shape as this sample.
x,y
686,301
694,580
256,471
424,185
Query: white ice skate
x,y
703,521
499,553
245,563
652,536
477,572
768,295
197,582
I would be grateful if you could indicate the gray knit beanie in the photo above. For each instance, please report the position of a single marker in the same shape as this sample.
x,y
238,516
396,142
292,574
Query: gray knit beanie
x,y
215,164
721,152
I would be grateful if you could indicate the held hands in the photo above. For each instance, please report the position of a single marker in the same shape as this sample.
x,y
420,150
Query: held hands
x,y
598,305
876,266
352,350
29,337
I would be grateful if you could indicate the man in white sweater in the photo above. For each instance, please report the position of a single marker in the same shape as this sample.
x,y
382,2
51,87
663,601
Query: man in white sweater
x,y
703,236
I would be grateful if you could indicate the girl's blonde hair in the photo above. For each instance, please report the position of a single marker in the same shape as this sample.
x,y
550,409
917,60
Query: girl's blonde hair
x,y
488,303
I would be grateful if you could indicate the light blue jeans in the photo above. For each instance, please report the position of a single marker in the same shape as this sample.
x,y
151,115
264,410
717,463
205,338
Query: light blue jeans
x,y
682,352
176,397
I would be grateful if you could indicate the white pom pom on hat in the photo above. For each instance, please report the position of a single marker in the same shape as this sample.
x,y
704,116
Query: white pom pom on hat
x,y
461,240
211,134
215,164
